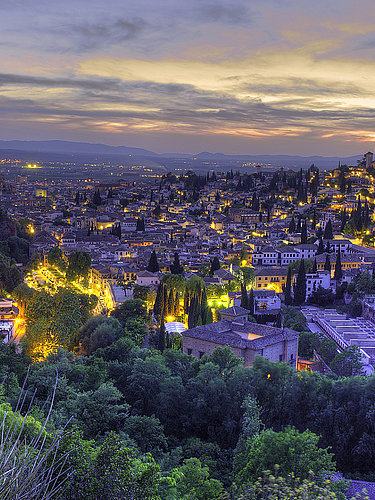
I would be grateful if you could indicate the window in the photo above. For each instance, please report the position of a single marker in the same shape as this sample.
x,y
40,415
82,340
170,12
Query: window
x,y
189,351
280,357
201,354
291,357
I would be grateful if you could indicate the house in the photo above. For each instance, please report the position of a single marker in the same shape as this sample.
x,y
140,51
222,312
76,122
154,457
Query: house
x,y
348,261
288,254
271,278
315,280
246,340
306,250
224,276
146,278
266,302
268,256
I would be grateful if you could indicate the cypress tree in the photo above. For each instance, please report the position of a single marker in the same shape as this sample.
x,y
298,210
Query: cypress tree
x,y
292,226
328,232
288,288
304,233
327,264
193,312
153,265
313,223
338,268
320,247
244,297
176,267
186,301
170,307
299,225
161,336
159,300
300,286
251,302
215,265
177,304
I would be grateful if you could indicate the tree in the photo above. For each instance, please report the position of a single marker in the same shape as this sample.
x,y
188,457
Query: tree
x,y
274,486
251,426
348,362
79,264
159,300
292,226
133,308
320,246
288,288
196,483
116,473
327,264
300,285
97,200
292,451
215,265
338,269
161,335
322,297
304,233
153,265
176,267
244,297
140,225
251,302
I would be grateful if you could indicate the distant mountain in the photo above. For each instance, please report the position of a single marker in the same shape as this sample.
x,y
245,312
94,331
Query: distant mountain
x,y
72,147
83,148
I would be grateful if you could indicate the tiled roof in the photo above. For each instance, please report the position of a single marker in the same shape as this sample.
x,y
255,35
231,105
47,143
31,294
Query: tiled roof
x,y
228,333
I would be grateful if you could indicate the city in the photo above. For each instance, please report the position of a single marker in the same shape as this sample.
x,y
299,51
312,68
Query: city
x,y
278,264
187,250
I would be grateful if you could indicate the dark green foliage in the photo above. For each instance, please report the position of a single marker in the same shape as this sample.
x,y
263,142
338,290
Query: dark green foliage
x,y
56,259
10,275
328,232
215,265
15,248
327,264
288,288
320,246
176,267
322,297
251,302
98,332
153,265
244,297
338,268
79,264
299,290
133,308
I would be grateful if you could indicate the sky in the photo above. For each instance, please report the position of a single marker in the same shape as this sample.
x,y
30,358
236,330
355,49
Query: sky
x,y
244,77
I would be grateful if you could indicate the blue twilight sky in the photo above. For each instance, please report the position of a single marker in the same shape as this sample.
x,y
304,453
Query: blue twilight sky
x,y
260,76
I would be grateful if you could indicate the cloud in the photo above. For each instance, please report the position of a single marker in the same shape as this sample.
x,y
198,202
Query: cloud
x,y
98,84
221,13
90,36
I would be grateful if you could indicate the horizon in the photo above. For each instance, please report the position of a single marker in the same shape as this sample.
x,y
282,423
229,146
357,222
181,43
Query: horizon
x,y
130,146
213,75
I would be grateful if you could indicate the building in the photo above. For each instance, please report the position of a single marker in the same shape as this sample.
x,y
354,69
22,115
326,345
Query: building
x,y
271,278
146,278
315,280
246,340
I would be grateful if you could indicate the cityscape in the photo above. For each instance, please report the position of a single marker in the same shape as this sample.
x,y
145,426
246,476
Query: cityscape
x,y
187,251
